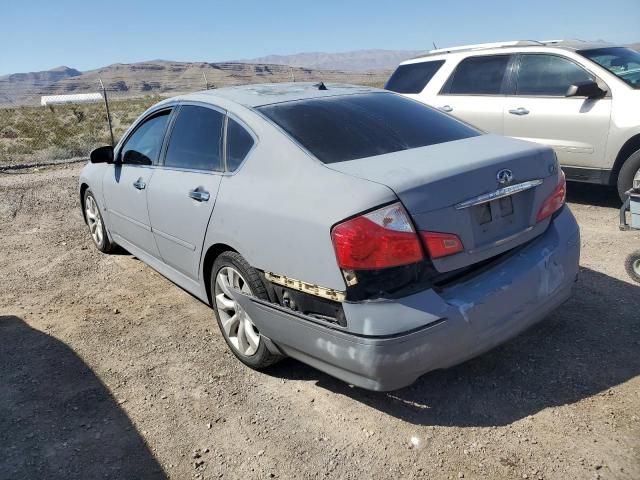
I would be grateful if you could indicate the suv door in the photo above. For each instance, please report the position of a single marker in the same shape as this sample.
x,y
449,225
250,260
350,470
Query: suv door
x,y
577,128
475,91
125,183
184,187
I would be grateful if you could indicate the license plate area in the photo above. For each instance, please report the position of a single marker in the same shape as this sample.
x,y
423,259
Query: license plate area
x,y
497,219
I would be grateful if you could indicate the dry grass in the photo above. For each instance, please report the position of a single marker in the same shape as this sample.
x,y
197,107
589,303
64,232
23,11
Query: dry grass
x,y
63,131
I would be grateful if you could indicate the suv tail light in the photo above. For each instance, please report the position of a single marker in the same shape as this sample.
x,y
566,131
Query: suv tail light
x,y
555,201
380,239
441,244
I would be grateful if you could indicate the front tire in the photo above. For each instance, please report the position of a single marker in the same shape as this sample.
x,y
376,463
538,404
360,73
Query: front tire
x,y
95,223
630,170
632,265
230,271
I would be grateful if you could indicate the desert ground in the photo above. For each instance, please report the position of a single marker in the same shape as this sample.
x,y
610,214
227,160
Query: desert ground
x,y
108,370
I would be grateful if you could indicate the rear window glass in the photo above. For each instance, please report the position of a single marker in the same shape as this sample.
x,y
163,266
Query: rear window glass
x,y
347,127
413,77
479,76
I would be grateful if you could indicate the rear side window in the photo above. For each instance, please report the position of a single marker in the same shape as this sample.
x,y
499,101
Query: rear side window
x,y
413,77
196,139
478,76
143,146
347,127
548,75
239,142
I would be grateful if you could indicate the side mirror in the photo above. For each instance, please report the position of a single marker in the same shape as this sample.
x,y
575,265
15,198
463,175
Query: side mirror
x,y
102,155
585,89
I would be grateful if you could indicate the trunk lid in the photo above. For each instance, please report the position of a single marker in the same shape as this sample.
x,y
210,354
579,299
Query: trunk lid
x,y
440,186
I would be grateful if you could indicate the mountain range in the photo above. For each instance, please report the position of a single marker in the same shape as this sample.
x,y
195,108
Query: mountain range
x,y
369,67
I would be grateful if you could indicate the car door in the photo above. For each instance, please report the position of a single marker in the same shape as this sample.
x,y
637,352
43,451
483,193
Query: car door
x,y
126,181
183,190
576,127
475,91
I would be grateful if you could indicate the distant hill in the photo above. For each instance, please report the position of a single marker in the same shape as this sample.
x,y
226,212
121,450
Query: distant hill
x,y
358,61
635,46
168,77
17,85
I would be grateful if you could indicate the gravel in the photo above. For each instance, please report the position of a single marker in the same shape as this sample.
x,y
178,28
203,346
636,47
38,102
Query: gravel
x,y
108,370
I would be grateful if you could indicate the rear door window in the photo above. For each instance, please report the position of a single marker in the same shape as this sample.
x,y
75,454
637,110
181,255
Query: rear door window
x,y
347,127
413,77
478,76
239,143
196,139
548,75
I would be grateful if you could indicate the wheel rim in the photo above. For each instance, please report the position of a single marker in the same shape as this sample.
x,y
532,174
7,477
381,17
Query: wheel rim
x,y
636,179
636,266
94,220
236,323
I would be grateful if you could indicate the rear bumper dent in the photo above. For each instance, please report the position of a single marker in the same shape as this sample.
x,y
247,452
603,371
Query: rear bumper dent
x,y
458,323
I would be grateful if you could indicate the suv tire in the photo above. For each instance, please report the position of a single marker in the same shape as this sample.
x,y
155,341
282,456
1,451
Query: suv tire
x,y
630,170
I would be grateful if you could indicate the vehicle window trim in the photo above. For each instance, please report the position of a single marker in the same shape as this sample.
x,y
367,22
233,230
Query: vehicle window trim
x,y
243,124
151,115
446,87
552,54
165,147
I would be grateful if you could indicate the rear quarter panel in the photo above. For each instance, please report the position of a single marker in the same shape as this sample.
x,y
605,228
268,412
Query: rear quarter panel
x,y
277,210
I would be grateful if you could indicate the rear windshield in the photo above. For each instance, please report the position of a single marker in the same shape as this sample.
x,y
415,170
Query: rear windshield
x,y
347,127
413,77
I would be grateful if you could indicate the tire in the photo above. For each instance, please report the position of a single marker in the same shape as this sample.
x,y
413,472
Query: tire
x,y
632,265
630,169
241,335
93,217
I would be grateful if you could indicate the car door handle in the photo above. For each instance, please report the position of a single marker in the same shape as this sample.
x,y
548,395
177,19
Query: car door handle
x,y
139,184
446,108
199,195
519,111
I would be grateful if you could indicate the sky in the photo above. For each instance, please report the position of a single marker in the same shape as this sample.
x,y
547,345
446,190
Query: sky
x,y
41,34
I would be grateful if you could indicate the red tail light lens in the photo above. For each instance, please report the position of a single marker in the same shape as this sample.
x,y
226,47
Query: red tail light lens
x,y
555,201
380,239
441,244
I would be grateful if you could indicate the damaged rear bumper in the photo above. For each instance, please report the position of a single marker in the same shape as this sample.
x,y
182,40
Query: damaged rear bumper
x,y
432,330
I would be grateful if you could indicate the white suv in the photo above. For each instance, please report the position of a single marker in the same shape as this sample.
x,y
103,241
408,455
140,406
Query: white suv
x,y
582,99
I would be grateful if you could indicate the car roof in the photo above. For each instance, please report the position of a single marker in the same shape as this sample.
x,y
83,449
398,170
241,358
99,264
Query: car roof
x,y
256,95
573,44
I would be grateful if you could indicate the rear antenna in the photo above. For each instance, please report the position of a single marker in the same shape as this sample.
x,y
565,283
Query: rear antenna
x,y
434,46
106,104
321,86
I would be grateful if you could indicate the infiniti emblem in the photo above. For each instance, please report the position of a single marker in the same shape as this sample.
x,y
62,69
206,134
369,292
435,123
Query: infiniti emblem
x,y
504,176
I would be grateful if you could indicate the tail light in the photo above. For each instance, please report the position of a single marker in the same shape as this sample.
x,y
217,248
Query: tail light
x,y
555,201
441,244
380,239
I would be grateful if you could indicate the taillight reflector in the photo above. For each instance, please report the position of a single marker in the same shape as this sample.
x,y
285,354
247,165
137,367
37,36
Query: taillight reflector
x,y
555,201
380,239
441,244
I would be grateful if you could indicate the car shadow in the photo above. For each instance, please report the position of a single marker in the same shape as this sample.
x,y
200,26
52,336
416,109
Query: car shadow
x,y
592,194
57,419
588,346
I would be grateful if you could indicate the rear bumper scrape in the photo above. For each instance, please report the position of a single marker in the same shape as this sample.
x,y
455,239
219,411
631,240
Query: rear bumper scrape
x,y
470,318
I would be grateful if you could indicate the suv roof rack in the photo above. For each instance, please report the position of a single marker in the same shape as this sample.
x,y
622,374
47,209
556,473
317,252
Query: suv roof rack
x,y
485,46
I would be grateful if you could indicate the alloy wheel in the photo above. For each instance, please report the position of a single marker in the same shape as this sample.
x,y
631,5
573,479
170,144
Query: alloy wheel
x,y
94,220
236,323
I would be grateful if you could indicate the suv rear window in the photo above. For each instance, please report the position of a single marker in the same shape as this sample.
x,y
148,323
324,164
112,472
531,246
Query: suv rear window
x,y
478,76
347,127
413,77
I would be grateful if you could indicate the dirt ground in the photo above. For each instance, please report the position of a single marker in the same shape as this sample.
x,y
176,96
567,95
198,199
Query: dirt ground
x,y
107,370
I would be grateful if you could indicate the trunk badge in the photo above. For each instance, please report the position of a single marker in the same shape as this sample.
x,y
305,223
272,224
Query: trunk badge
x,y
504,176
